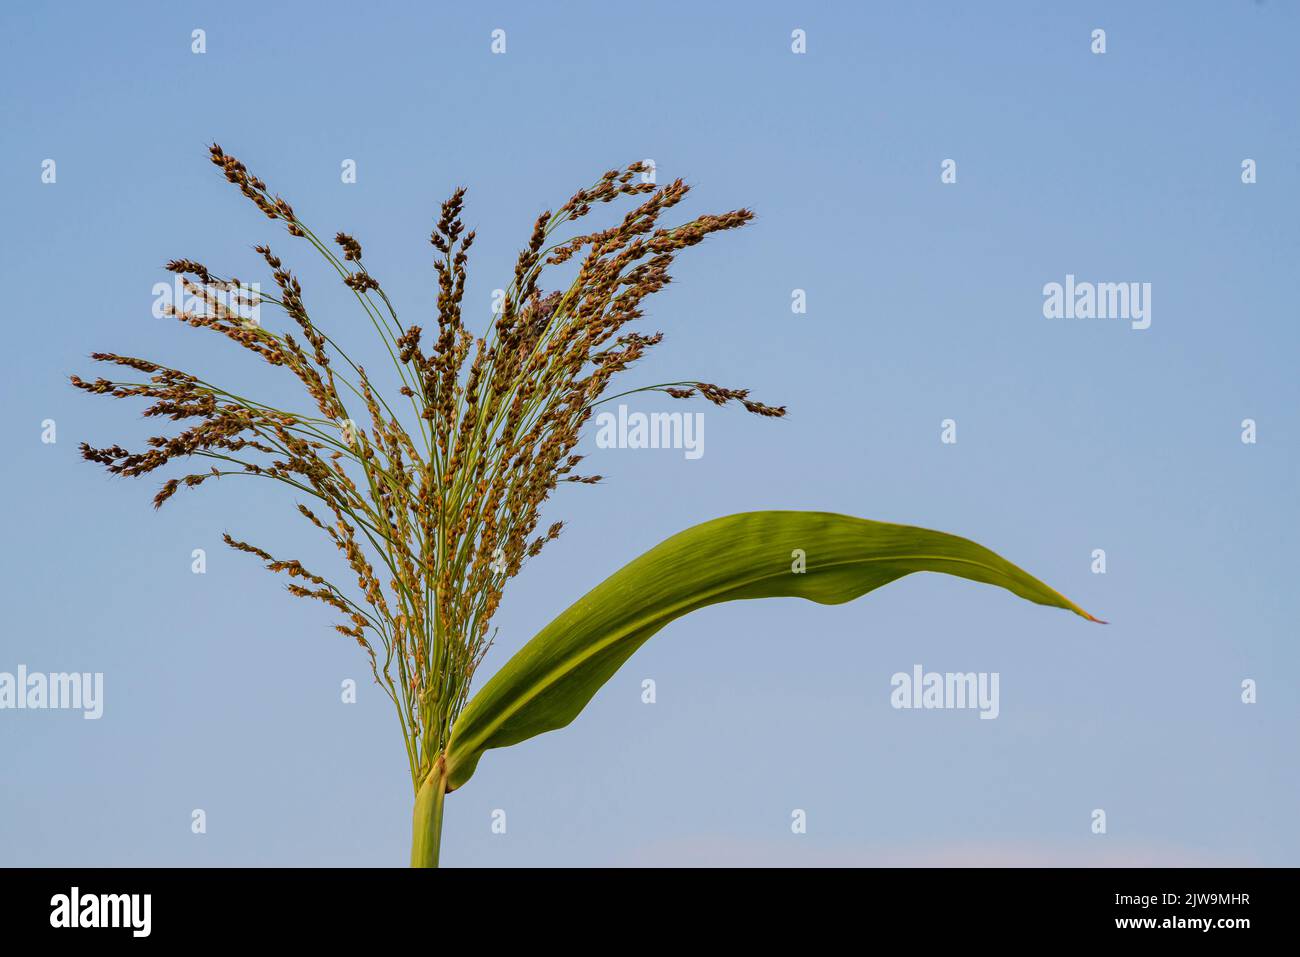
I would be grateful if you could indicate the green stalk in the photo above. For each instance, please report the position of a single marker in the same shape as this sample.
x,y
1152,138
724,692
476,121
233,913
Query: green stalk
x,y
426,831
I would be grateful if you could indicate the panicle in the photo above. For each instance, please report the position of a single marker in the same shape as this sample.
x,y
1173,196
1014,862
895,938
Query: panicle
x,y
433,512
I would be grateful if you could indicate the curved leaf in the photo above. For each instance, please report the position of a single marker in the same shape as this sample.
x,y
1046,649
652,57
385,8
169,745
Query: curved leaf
x,y
750,555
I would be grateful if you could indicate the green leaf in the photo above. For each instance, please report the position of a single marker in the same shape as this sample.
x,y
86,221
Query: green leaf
x,y
751,555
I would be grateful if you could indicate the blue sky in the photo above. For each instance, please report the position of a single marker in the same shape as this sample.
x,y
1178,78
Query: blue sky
x,y
924,303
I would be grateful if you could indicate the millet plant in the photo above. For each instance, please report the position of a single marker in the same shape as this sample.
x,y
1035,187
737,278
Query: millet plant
x,y
433,493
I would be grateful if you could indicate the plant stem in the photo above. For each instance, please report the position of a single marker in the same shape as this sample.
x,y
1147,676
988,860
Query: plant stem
x,y
426,831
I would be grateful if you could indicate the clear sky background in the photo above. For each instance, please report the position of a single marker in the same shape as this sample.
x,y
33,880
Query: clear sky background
x,y
924,303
